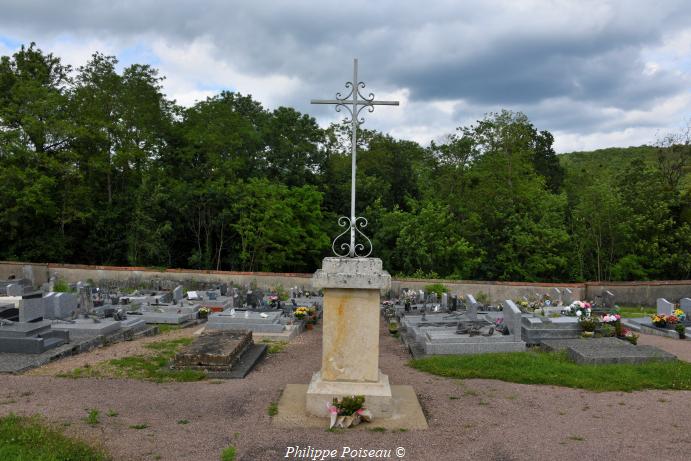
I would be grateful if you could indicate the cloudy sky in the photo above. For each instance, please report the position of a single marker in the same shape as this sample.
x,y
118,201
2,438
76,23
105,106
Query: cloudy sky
x,y
594,73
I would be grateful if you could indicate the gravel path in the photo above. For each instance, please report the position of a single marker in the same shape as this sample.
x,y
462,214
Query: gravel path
x,y
470,419
682,349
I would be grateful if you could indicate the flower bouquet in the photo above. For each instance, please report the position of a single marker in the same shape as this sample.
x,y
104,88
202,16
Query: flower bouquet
x,y
630,336
680,314
203,312
301,312
661,321
577,308
349,411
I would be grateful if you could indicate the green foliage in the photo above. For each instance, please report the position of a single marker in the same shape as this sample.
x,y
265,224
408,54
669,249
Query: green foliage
x,y
228,453
273,409
92,418
97,166
349,404
555,369
61,286
139,426
30,438
437,288
274,347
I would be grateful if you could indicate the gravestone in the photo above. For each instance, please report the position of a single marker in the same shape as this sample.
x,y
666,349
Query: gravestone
x,y
444,301
558,299
32,309
177,294
221,354
512,317
472,307
454,303
15,289
685,305
608,299
86,304
664,307
224,289
567,296
61,305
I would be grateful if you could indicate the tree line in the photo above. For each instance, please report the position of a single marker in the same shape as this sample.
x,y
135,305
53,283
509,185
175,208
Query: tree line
x,y
98,166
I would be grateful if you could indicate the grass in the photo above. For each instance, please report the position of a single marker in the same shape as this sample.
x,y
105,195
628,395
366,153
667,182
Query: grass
x,y
274,347
152,367
555,369
166,327
139,426
24,438
228,453
183,421
629,312
93,418
273,409
112,413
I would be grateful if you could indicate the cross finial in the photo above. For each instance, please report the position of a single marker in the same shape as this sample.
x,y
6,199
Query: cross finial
x,y
353,102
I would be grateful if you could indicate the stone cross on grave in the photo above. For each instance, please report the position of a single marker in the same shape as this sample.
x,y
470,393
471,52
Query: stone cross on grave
x,y
353,102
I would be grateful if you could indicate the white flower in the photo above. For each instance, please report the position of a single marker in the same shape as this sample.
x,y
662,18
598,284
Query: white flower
x,y
579,313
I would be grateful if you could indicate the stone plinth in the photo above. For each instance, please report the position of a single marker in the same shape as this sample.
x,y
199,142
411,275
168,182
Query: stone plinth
x,y
350,344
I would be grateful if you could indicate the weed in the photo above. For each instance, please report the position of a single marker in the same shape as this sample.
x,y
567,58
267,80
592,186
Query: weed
x,y
93,418
228,453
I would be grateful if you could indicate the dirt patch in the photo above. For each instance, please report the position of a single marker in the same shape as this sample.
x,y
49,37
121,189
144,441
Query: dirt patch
x,y
485,419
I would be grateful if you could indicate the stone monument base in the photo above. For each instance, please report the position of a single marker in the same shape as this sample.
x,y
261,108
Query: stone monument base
x,y
378,397
407,413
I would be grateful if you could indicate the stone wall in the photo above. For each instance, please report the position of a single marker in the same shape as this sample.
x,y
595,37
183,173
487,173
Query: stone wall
x,y
626,293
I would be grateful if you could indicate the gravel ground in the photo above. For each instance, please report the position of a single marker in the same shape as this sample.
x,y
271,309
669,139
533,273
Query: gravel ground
x,y
470,419
682,349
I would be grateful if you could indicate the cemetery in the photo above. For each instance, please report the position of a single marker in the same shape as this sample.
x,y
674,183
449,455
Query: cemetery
x,y
192,269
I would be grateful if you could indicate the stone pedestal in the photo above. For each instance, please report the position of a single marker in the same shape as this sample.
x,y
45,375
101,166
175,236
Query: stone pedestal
x,y
350,348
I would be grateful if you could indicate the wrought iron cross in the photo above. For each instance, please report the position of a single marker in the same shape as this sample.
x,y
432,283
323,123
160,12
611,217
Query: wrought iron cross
x,y
353,102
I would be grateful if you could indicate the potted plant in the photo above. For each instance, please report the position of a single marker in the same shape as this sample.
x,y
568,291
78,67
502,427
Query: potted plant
x,y
300,313
681,331
588,325
393,328
203,312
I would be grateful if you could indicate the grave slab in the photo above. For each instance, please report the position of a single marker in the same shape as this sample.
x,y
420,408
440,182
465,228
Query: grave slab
x,y
601,351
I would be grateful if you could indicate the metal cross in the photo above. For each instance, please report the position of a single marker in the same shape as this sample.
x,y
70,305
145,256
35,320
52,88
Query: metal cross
x,y
354,102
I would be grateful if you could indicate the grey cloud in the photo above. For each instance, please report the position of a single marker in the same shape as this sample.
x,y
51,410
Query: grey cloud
x,y
487,54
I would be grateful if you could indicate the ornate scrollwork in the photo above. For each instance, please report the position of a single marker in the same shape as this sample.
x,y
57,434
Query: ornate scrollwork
x,y
350,248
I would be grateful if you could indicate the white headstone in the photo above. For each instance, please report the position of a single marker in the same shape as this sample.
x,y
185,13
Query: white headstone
x,y
567,296
444,300
177,294
472,307
685,305
664,307
512,318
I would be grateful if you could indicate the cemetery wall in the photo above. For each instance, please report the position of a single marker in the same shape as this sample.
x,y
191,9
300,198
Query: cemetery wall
x,y
626,293
642,293
495,291
36,272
